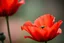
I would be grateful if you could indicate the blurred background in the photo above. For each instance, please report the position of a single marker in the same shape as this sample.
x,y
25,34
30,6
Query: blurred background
x,y
31,10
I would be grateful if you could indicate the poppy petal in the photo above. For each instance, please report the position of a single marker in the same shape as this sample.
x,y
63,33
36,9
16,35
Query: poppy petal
x,y
1,2
48,20
34,33
10,6
30,37
56,25
42,33
25,26
14,7
54,29
0,9
9,2
45,20
59,31
21,2
30,29
28,23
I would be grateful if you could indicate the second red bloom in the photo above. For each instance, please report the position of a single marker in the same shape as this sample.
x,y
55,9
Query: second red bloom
x,y
43,29
9,7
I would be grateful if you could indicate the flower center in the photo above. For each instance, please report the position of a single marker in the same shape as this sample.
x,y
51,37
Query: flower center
x,y
42,27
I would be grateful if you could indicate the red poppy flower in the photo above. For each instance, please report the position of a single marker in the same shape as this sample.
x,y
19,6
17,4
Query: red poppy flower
x,y
9,7
43,29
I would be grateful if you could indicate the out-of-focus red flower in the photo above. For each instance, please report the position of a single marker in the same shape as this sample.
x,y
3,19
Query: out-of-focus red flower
x,y
43,29
9,7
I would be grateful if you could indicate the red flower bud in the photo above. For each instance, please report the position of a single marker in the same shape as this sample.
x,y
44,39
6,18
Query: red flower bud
x,y
9,7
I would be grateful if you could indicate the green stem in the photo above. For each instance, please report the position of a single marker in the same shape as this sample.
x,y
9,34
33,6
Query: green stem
x,y
8,28
45,41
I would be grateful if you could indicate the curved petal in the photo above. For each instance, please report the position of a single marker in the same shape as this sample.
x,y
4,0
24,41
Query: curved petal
x,y
54,29
21,2
29,37
9,2
0,10
59,31
42,33
34,33
28,23
25,26
29,28
13,6
55,34
38,23
45,20
1,2
56,25
13,9
45,33
32,30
